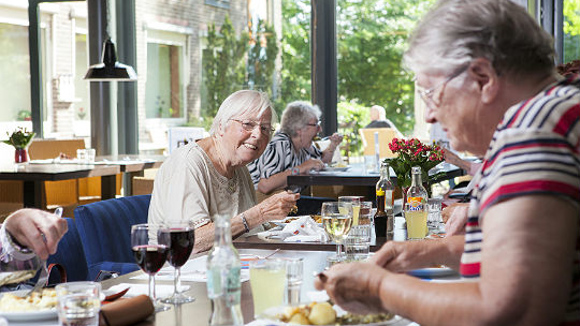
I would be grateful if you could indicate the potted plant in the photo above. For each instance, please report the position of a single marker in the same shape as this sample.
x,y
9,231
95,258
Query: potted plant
x,y
412,152
20,139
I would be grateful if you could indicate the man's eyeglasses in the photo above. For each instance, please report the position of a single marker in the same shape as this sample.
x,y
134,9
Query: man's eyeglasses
x,y
314,124
428,95
250,125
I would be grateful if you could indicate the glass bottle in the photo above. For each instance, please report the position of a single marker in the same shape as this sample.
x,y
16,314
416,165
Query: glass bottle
x,y
223,277
386,185
416,194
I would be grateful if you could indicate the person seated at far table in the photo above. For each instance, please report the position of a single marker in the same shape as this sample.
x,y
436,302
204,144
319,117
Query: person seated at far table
x,y
379,119
291,150
209,176
25,236
497,95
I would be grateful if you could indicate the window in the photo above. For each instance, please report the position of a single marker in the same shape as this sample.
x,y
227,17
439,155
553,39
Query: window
x,y
571,30
164,96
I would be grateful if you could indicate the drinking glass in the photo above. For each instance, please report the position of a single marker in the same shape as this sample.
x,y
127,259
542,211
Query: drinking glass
x,y
268,281
150,248
337,221
182,238
78,303
416,220
355,202
294,272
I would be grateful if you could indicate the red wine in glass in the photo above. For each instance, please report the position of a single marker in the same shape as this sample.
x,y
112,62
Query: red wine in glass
x,y
182,241
150,257
182,238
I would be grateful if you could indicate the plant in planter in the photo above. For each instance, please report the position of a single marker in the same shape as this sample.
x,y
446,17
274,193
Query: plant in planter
x,y
412,152
20,139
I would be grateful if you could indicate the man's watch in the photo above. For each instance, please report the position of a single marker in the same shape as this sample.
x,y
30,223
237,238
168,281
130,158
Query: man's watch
x,y
295,171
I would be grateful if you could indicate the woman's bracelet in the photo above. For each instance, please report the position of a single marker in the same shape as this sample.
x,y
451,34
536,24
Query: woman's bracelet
x,y
246,226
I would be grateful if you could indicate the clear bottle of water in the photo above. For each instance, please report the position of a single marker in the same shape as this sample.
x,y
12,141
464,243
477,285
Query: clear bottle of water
x,y
223,277
384,218
386,185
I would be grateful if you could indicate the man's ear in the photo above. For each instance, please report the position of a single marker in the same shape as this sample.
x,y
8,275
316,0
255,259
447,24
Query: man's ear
x,y
486,77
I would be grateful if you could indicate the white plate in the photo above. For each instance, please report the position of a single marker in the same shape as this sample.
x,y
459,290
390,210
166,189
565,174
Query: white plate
x,y
269,315
432,272
30,315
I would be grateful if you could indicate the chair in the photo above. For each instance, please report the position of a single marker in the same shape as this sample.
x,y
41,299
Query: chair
x,y
308,205
386,135
105,230
71,255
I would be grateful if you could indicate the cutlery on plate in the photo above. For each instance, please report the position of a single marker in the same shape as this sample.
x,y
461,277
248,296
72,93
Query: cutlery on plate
x,y
44,270
271,254
115,296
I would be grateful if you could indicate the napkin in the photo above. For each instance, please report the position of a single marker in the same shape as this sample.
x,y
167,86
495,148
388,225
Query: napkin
x,y
303,229
126,311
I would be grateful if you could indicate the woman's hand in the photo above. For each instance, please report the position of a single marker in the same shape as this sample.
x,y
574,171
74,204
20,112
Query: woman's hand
x,y
311,164
335,139
354,286
36,230
277,207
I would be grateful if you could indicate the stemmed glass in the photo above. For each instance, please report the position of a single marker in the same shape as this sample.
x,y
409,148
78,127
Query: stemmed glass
x,y
337,221
355,202
150,248
182,237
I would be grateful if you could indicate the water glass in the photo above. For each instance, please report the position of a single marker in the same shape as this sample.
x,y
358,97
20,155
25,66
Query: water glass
x,y
268,282
294,271
434,218
356,247
355,202
78,303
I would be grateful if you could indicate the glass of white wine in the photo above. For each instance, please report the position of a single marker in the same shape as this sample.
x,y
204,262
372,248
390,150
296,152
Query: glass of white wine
x,y
337,221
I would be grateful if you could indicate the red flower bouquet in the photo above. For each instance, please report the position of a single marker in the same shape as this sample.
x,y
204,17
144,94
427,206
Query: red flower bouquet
x,y
412,152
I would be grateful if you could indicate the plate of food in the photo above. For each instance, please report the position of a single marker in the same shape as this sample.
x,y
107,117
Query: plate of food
x,y
436,271
38,306
335,167
323,313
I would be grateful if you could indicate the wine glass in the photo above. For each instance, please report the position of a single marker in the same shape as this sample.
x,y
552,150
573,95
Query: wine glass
x,y
337,221
355,202
150,248
182,237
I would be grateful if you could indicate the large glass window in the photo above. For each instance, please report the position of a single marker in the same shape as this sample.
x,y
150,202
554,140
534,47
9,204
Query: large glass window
x,y
571,30
164,92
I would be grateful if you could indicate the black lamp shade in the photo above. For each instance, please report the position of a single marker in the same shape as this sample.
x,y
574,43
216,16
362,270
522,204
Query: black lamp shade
x,y
109,69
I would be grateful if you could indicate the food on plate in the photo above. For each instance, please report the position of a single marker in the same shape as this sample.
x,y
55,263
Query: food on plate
x,y
34,302
317,218
314,313
14,277
339,165
322,313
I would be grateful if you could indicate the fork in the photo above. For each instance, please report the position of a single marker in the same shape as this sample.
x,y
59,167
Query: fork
x,y
44,270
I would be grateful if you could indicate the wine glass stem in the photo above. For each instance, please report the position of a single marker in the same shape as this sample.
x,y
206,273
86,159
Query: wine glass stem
x,y
152,288
177,281
338,251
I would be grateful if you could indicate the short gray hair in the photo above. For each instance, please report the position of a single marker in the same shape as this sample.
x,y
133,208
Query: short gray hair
x,y
297,115
240,104
455,32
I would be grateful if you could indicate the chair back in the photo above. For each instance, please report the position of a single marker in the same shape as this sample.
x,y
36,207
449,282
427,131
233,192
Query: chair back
x,y
105,230
71,255
386,135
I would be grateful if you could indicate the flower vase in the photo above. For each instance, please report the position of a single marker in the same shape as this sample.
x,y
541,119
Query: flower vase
x,y
21,155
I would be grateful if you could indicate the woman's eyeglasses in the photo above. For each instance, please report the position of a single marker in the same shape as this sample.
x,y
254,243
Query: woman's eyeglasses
x,y
314,124
428,95
250,125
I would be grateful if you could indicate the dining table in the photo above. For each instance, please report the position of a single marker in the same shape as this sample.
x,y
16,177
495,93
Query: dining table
x,y
33,174
194,282
357,175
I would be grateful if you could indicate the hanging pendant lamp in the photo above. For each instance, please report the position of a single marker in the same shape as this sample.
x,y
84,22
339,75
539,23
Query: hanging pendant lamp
x,y
109,69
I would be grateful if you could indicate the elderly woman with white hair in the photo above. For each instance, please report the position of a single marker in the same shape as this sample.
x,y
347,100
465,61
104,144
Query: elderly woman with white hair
x,y
209,176
291,150
485,71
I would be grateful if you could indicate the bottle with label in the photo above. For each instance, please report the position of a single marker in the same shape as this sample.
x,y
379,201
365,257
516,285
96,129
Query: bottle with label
x,y
223,277
416,194
386,185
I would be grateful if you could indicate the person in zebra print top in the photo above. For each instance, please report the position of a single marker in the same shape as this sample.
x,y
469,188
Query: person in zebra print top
x,y
485,70
291,150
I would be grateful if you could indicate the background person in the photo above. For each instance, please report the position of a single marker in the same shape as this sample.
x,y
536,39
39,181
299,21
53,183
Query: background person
x,y
291,150
379,119
209,176
497,95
